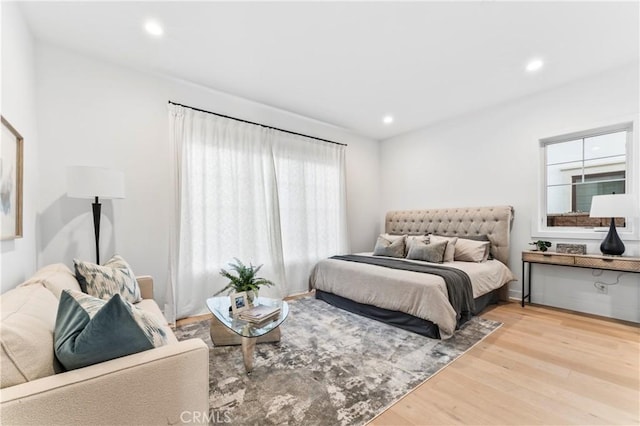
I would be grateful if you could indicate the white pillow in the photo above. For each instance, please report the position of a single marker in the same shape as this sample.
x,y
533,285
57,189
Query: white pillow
x,y
449,253
103,281
28,318
393,237
472,251
55,277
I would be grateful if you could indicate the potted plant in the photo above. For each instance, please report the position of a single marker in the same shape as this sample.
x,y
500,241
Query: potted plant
x,y
541,245
245,280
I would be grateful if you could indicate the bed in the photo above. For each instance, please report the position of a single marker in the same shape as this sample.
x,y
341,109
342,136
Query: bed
x,y
390,290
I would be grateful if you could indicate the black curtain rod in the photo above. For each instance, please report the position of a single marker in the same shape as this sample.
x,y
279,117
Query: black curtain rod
x,y
257,124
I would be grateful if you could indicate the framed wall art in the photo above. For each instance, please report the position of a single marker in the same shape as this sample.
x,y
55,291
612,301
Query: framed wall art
x,y
11,164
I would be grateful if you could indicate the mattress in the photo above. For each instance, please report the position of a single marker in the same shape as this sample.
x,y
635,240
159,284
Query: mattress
x,y
418,294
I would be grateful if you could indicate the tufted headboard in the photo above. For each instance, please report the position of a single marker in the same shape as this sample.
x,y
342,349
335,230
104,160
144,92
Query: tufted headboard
x,y
495,222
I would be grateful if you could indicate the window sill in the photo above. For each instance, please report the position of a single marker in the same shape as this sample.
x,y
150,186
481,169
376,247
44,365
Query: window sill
x,y
596,234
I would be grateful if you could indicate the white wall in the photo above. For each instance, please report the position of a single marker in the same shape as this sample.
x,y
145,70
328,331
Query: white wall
x,y
491,158
17,104
96,113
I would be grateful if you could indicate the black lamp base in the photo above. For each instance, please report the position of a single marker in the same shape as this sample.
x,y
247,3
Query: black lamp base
x,y
612,244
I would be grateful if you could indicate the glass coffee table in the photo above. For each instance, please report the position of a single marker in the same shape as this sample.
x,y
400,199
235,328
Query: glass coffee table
x,y
227,330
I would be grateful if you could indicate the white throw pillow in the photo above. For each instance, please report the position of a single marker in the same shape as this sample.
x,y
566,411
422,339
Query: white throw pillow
x,y
472,251
103,281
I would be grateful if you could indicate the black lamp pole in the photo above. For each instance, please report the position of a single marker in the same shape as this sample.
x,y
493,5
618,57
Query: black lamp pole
x,y
96,226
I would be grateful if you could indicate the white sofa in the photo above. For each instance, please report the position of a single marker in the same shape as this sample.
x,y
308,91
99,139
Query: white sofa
x,y
164,385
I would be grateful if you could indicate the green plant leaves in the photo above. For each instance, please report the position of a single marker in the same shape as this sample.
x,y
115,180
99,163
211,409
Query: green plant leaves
x,y
245,278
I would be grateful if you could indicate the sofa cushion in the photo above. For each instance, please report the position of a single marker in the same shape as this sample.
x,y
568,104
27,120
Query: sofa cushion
x,y
56,277
26,334
103,281
90,330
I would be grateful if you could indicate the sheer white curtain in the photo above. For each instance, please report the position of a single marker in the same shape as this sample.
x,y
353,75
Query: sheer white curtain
x,y
245,191
311,187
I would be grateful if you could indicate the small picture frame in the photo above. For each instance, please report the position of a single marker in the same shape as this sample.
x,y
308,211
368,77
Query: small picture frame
x,y
239,302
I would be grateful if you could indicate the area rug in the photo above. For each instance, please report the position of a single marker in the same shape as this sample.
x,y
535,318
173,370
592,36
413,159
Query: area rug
x,y
331,367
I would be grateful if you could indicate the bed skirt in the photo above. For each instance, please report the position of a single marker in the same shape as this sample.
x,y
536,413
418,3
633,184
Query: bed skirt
x,y
400,319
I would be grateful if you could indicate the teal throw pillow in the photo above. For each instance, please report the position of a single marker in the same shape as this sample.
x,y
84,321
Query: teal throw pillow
x,y
90,330
103,281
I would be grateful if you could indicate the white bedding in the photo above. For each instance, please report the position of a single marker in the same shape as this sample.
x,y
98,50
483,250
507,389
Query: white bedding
x,y
422,295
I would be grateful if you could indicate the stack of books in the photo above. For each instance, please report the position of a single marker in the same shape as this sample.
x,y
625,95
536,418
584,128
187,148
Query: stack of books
x,y
260,314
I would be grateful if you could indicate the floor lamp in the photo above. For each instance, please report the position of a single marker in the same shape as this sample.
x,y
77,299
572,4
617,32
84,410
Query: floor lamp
x,y
93,183
612,206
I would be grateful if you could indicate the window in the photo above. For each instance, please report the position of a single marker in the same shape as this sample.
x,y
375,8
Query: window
x,y
581,165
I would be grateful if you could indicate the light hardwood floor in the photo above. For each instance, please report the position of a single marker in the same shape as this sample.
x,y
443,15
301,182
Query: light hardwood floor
x,y
543,366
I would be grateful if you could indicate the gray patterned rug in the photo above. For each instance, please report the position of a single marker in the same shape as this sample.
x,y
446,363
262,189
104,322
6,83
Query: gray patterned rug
x,y
331,367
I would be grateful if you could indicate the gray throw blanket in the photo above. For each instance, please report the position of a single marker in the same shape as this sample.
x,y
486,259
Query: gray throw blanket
x,y
457,281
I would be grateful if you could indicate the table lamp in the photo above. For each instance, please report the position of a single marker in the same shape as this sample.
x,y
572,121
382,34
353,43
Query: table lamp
x,y
612,205
95,182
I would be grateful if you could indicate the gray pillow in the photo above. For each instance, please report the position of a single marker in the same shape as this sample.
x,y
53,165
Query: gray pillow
x,y
433,252
411,238
451,246
389,247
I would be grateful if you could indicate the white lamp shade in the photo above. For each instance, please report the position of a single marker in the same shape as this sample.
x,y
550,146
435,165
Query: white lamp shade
x,y
90,182
613,205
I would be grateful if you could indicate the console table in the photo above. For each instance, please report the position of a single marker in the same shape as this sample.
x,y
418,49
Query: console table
x,y
591,261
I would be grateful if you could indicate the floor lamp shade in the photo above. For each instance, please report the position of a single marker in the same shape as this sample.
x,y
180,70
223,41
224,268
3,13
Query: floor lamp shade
x,y
91,182
612,206
95,182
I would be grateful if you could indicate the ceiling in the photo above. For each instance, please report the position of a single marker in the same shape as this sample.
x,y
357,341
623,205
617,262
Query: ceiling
x,y
351,63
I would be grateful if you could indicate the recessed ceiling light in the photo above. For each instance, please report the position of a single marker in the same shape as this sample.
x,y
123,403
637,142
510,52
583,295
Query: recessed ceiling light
x,y
387,119
595,148
154,28
534,65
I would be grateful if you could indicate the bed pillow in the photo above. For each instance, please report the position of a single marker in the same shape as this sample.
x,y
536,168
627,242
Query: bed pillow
x,y
390,247
103,281
428,252
413,238
449,253
471,251
481,237
89,330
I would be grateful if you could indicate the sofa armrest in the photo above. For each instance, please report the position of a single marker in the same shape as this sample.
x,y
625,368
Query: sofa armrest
x,y
165,385
145,282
